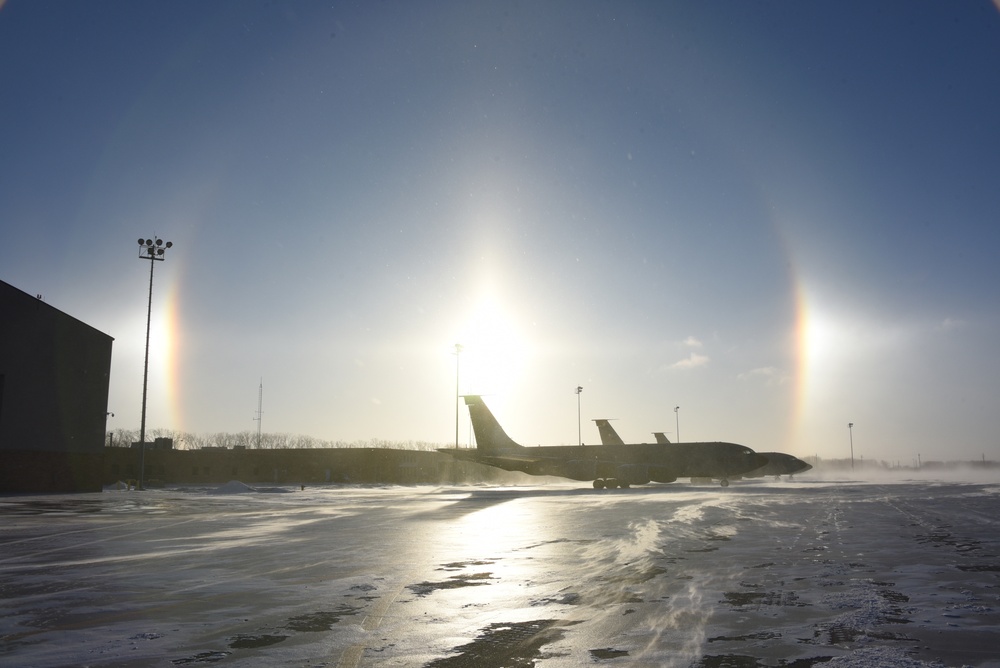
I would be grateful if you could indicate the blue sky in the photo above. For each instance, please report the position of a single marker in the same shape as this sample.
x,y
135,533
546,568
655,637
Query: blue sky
x,y
781,217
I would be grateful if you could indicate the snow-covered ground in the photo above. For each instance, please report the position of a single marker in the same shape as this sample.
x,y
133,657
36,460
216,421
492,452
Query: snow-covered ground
x,y
763,573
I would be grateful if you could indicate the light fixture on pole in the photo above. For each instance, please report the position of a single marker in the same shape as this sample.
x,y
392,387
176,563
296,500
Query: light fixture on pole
x,y
850,430
677,423
579,436
458,403
152,250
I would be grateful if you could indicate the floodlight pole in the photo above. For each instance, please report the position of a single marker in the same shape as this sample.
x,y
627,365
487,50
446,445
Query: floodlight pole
x,y
677,423
153,251
579,435
850,430
458,402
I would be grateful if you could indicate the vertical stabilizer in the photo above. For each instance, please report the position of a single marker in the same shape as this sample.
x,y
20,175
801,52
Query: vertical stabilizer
x,y
490,436
660,437
608,434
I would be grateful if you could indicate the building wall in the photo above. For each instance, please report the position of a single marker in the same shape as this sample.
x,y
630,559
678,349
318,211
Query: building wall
x,y
54,378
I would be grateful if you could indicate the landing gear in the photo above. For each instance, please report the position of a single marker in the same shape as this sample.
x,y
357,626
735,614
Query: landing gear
x,y
609,483
724,482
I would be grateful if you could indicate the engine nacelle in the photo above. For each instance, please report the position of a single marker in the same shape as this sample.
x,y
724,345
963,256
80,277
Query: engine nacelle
x,y
580,469
633,474
661,474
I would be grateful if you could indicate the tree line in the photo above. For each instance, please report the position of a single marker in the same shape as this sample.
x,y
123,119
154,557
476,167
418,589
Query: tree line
x,y
124,438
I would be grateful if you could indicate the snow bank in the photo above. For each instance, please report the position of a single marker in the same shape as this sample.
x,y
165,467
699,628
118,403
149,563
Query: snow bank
x,y
233,487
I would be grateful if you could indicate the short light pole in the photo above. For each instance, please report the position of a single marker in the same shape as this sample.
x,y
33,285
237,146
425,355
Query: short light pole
x,y
579,433
850,430
458,402
153,251
677,423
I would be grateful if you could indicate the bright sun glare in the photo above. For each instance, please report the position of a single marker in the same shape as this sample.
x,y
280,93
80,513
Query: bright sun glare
x,y
495,351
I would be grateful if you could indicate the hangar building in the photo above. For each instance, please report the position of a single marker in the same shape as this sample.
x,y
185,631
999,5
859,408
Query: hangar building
x,y
54,376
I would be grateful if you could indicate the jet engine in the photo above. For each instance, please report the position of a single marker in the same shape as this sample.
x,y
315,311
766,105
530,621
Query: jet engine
x,y
661,474
580,469
633,474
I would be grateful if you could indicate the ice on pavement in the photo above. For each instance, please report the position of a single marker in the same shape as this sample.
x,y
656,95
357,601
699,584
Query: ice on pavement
x,y
232,487
763,573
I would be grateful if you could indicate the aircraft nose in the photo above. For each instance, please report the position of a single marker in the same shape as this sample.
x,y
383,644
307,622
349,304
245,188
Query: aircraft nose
x,y
758,460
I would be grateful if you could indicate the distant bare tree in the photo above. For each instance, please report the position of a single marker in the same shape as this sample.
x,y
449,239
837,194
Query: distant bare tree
x,y
123,438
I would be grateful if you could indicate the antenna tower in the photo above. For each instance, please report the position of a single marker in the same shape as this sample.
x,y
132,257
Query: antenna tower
x,y
260,398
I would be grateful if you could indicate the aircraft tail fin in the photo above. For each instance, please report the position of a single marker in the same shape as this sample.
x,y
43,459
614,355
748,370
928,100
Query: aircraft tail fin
x,y
608,434
661,437
490,436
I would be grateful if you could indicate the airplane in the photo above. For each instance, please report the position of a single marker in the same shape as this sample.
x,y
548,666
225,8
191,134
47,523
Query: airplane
x,y
608,466
778,463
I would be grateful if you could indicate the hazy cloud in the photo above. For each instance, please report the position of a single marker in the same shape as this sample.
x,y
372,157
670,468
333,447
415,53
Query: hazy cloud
x,y
691,361
769,375
949,324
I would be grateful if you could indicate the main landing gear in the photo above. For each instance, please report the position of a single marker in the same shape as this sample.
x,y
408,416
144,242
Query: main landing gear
x,y
610,483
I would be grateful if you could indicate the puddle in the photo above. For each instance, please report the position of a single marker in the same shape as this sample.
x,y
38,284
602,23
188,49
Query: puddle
x,y
250,641
569,598
461,565
504,646
454,582
202,657
316,622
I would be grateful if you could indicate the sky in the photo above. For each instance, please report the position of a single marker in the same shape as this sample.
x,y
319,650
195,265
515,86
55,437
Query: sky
x,y
749,222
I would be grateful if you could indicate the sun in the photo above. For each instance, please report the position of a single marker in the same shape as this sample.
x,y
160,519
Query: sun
x,y
495,351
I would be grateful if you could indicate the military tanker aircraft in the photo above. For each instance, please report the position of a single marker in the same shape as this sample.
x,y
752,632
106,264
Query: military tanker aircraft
x,y
778,463
608,466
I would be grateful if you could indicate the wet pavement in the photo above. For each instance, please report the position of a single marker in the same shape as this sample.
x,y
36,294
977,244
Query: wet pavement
x,y
759,574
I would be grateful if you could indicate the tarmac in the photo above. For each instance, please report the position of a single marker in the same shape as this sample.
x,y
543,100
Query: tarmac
x,y
762,573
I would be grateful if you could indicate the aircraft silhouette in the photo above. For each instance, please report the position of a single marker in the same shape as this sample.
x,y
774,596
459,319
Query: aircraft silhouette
x,y
778,463
610,466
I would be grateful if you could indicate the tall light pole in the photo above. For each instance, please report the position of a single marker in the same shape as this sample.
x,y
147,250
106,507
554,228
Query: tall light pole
x,y
677,423
153,251
850,430
458,402
579,434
